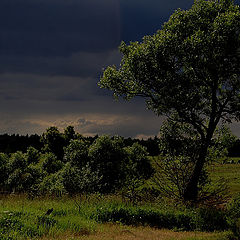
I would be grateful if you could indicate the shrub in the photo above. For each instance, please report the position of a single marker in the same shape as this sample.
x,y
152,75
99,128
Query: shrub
x,y
77,153
79,180
108,156
3,169
32,155
233,209
52,184
50,163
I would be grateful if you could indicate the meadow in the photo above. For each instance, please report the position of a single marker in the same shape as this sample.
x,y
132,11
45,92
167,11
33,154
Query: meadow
x,y
97,216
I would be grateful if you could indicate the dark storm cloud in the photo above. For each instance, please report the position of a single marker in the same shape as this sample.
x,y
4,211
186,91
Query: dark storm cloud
x,y
140,18
57,28
52,53
80,64
61,28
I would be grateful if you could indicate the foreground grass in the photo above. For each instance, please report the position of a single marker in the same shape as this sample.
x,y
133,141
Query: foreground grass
x,y
93,217
107,217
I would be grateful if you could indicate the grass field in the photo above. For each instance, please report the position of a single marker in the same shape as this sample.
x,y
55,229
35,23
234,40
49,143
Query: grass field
x,y
231,172
83,217
21,218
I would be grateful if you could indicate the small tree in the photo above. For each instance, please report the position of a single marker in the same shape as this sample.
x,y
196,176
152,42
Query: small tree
x,y
180,146
77,153
188,71
53,142
108,157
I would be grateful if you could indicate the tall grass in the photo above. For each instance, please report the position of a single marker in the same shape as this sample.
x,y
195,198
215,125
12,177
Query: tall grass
x,y
22,218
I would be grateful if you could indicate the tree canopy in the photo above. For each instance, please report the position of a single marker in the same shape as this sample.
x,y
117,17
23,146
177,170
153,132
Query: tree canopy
x,y
189,71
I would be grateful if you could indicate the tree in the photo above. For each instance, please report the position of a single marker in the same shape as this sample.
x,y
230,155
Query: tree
x,y
53,142
108,157
189,71
77,153
69,134
179,148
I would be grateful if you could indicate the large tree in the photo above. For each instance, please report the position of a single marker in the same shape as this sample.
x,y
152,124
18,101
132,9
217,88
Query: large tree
x,y
189,71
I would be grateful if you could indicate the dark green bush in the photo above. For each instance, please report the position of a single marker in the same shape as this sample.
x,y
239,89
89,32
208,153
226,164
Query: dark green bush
x,y
233,217
142,216
50,163
77,153
32,155
188,220
108,157
211,219
79,180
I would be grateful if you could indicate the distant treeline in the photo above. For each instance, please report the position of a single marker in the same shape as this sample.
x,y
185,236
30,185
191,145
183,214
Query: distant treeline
x,y
15,142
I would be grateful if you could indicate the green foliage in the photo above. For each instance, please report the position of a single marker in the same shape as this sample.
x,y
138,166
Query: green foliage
x,y
138,165
27,219
207,219
76,153
32,155
69,134
3,169
52,184
234,215
17,161
53,142
80,180
13,226
108,157
50,163
17,172
46,221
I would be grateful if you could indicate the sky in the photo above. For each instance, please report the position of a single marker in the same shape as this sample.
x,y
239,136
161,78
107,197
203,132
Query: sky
x,y
52,55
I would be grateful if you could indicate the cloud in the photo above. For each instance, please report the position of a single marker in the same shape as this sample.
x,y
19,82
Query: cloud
x,y
83,64
51,57
88,124
140,17
58,28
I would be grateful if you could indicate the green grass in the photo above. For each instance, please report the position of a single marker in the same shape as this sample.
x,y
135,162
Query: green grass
x,y
85,217
22,218
230,172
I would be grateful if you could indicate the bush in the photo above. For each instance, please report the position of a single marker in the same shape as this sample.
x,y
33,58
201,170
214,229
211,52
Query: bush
x,y
211,219
50,163
77,153
145,216
233,209
203,219
108,156
3,169
32,155
79,180
52,184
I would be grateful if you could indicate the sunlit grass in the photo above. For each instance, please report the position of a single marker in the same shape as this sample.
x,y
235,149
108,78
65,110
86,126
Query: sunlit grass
x,y
230,172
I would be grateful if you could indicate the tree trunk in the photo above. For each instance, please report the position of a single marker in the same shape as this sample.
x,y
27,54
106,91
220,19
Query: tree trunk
x,y
191,191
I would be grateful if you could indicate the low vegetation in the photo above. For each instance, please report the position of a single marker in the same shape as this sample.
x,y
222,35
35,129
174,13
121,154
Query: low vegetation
x,y
81,189
87,215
